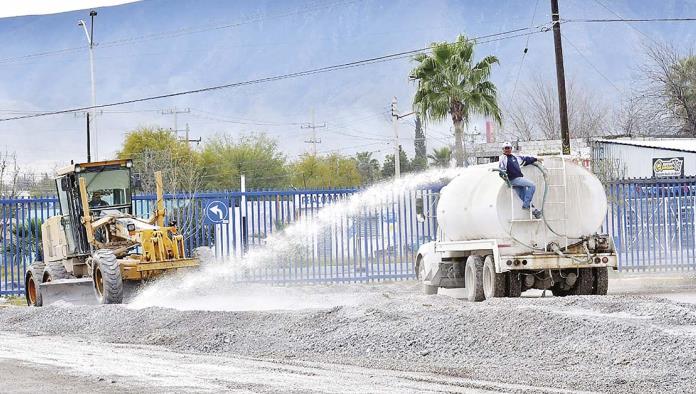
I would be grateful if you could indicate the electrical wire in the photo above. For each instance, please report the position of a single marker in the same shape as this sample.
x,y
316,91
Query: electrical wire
x,y
688,19
378,59
524,54
591,64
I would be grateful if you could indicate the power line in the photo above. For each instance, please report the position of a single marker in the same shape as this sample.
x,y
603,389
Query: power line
x,y
622,18
609,20
591,64
177,32
342,66
524,53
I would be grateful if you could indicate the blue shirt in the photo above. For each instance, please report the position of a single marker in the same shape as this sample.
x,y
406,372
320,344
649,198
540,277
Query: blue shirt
x,y
512,164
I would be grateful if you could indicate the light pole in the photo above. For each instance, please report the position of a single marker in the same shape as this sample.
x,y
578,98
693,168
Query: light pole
x,y
93,118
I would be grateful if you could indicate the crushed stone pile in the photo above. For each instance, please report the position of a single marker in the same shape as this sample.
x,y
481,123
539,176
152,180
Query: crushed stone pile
x,y
614,343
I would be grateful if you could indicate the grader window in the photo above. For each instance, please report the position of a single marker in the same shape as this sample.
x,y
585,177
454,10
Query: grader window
x,y
108,189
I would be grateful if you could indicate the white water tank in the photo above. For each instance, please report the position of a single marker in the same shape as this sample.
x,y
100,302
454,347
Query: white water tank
x,y
478,204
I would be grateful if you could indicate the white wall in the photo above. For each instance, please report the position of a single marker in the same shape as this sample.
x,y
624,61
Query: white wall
x,y
638,159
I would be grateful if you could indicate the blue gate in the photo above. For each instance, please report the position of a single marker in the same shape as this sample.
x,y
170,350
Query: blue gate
x,y
652,222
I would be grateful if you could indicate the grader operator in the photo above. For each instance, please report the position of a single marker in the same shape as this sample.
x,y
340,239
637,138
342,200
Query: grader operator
x,y
97,244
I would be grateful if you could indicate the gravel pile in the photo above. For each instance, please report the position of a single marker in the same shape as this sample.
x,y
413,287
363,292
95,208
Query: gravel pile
x,y
615,343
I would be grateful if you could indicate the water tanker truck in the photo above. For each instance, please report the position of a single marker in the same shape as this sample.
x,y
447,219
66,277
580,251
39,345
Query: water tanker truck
x,y
487,244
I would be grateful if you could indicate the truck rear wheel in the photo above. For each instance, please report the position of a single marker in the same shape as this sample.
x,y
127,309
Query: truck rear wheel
x,y
584,284
106,276
473,278
601,281
514,284
32,280
420,275
494,284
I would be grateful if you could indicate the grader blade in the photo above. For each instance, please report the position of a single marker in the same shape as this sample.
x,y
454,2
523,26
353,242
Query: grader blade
x,y
72,291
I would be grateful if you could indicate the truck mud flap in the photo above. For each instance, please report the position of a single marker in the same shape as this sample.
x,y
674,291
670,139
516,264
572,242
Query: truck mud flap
x,y
71,291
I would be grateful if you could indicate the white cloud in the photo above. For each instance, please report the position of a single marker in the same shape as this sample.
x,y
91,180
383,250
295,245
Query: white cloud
x,y
12,8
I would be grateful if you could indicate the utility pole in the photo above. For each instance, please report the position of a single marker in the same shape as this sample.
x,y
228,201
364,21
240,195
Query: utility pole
x,y
89,155
313,140
395,125
90,41
187,139
175,111
560,77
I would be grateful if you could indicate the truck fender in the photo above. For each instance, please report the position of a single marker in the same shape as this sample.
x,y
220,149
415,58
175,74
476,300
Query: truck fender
x,y
429,259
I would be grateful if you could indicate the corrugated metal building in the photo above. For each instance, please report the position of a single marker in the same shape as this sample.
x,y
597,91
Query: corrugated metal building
x,y
645,158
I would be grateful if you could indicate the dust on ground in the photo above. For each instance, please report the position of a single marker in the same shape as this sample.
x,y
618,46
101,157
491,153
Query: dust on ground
x,y
615,343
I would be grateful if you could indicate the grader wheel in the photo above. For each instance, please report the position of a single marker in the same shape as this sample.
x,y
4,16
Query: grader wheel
x,y
55,271
106,277
31,285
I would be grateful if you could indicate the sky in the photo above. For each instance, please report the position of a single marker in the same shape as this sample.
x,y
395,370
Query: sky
x,y
154,47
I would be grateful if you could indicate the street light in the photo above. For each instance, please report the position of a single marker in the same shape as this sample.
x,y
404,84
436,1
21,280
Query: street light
x,y
90,40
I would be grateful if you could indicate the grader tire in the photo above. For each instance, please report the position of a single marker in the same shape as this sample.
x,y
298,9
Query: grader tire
x,y
514,284
108,284
55,271
473,278
31,284
601,281
494,284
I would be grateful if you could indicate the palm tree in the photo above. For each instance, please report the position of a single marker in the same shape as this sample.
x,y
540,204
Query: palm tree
x,y
441,157
449,83
367,167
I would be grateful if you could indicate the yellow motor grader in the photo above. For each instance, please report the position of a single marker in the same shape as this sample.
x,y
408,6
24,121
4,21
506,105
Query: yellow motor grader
x,y
97,247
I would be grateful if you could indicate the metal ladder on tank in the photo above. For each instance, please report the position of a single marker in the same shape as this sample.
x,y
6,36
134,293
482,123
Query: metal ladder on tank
x,y
563,203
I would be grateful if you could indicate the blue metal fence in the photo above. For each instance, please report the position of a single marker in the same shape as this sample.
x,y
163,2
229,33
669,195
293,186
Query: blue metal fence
x,y
652,222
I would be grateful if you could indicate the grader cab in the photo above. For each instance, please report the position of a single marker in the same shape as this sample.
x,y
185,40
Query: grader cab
x,y
97,247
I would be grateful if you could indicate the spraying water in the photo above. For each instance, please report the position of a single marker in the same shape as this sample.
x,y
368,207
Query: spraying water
x,y
214,287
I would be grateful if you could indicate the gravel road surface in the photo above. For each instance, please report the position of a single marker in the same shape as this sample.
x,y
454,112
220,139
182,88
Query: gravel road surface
x,y
368,338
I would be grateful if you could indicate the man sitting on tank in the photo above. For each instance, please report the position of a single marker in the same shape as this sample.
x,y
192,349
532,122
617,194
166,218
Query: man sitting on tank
x,y
512,166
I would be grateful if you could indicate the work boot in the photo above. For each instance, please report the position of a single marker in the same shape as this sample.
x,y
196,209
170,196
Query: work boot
x,y
536,213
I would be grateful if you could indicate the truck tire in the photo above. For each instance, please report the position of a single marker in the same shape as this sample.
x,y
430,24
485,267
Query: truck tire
x,y
514,284
585,282
494,284
108,284
32,280
473,278
54,271
420,275
601,281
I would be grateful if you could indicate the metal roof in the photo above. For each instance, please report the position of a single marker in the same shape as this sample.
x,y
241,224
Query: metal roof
x,y
676,144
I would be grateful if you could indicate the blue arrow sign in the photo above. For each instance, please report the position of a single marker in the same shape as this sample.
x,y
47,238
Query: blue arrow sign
x,y
216,212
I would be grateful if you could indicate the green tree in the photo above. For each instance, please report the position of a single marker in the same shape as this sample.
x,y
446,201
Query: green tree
x,y
256,156
329,171
449,83
388,165
156,149
368,167
441,157
681,91
420,160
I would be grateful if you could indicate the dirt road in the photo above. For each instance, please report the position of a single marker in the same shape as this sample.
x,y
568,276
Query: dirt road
x,y
118,368
358,338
